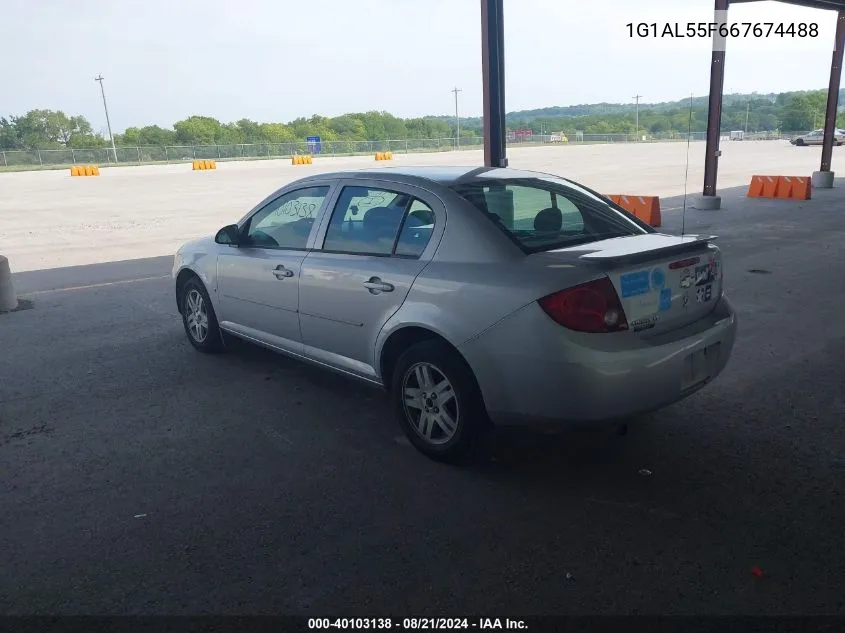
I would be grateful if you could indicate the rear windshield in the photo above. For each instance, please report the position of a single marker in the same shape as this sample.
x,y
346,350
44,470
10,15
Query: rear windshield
x,y
545,213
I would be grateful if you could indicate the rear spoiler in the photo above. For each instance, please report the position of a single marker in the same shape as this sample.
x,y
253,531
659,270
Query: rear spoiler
x,y
611,257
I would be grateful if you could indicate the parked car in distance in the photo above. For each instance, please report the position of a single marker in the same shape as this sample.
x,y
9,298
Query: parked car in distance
x,y
474,296
816,137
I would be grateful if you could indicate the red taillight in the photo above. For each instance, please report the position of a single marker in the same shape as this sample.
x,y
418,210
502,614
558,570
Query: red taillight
x,y
591,307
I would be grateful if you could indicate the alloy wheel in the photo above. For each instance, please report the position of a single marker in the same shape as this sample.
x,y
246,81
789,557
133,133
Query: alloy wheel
x,y
430,403
196,315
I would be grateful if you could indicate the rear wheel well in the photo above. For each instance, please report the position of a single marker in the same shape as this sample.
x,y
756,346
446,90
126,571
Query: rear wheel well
x,y
401,340
181,279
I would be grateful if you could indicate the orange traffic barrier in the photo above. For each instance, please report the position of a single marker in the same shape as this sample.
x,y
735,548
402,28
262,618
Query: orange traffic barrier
x,y
646,208
770,186
384,155
299,159
84,170
202,165
755,189
781,187
793,188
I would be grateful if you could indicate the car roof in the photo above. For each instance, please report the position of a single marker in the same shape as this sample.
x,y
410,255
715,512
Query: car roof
x,y
442,174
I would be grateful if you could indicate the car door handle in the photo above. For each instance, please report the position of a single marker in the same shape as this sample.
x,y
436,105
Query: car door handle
x,y
281,272
374,284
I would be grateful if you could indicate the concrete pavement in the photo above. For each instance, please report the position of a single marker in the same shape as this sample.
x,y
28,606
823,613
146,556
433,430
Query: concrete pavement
x,y
51,220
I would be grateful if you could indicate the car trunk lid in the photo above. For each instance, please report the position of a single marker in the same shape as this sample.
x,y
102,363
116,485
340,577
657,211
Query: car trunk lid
x,y
663,281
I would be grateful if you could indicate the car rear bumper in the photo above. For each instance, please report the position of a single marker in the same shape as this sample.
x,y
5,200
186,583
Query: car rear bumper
x,y
531,370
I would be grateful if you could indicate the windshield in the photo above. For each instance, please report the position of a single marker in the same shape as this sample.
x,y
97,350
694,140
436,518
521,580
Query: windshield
x,y
545,213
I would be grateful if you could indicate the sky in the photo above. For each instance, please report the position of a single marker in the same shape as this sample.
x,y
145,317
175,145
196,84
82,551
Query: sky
x,y
276,60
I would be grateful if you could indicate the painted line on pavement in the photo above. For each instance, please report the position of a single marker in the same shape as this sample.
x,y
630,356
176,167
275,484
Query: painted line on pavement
x,y
107,283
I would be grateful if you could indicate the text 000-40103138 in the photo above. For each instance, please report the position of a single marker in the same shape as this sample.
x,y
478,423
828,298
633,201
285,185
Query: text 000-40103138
x,y
681,30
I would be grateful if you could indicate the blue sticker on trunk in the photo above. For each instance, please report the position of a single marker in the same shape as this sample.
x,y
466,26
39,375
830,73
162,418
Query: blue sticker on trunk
x,y
634,284
665,299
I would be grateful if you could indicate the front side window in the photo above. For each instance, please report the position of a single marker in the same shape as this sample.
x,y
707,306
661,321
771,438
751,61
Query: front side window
x,y
286,221
373,221
541,214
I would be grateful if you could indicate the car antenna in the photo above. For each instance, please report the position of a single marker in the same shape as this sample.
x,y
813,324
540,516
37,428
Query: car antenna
x,y
686,173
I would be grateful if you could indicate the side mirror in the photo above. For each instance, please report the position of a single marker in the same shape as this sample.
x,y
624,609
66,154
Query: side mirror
x,y
228,235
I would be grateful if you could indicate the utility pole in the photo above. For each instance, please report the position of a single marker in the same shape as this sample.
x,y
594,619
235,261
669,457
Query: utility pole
x,y
99,78
747,110
456,90
637,99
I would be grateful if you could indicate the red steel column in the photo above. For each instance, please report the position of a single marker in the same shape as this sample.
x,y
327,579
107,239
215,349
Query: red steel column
x,y
833,93
714,110
493,80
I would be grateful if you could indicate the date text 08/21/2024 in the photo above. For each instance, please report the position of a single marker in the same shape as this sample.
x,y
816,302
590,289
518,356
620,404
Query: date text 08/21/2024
x,y
683,30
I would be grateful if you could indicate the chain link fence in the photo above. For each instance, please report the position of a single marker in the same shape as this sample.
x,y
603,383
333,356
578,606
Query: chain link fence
x,y
49,158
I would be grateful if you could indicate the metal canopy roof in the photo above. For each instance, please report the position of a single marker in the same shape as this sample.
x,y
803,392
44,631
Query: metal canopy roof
x,y
834,5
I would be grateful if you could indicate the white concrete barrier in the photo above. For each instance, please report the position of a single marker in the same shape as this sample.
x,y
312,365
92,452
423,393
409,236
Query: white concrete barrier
x,y
8,298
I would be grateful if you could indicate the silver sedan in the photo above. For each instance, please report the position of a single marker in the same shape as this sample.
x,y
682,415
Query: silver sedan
x,y
816,137
473,296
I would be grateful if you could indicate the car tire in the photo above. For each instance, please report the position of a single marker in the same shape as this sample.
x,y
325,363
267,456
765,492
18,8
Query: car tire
x,y
199,318
800,142
454,418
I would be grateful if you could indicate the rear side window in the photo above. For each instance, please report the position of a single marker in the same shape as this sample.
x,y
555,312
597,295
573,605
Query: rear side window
x,y
374,221
543,214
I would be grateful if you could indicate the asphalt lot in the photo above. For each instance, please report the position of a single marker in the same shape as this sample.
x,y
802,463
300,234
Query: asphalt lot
x,y
139,476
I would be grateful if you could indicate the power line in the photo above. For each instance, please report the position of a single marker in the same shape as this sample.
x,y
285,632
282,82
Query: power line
x,y
99,78
637,99
456,90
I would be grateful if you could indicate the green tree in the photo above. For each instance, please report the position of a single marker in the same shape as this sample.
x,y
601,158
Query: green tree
x,y
229,134
276,133
9,138
250,131
50,129
803,111
197,130
83,141
155,135
349,127
131,137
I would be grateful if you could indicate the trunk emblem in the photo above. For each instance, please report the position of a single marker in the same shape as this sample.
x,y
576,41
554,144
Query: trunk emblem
x,y
645,323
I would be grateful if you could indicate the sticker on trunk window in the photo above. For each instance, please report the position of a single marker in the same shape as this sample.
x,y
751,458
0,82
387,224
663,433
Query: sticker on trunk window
x,y
703,294
686,278
634,284
665,299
